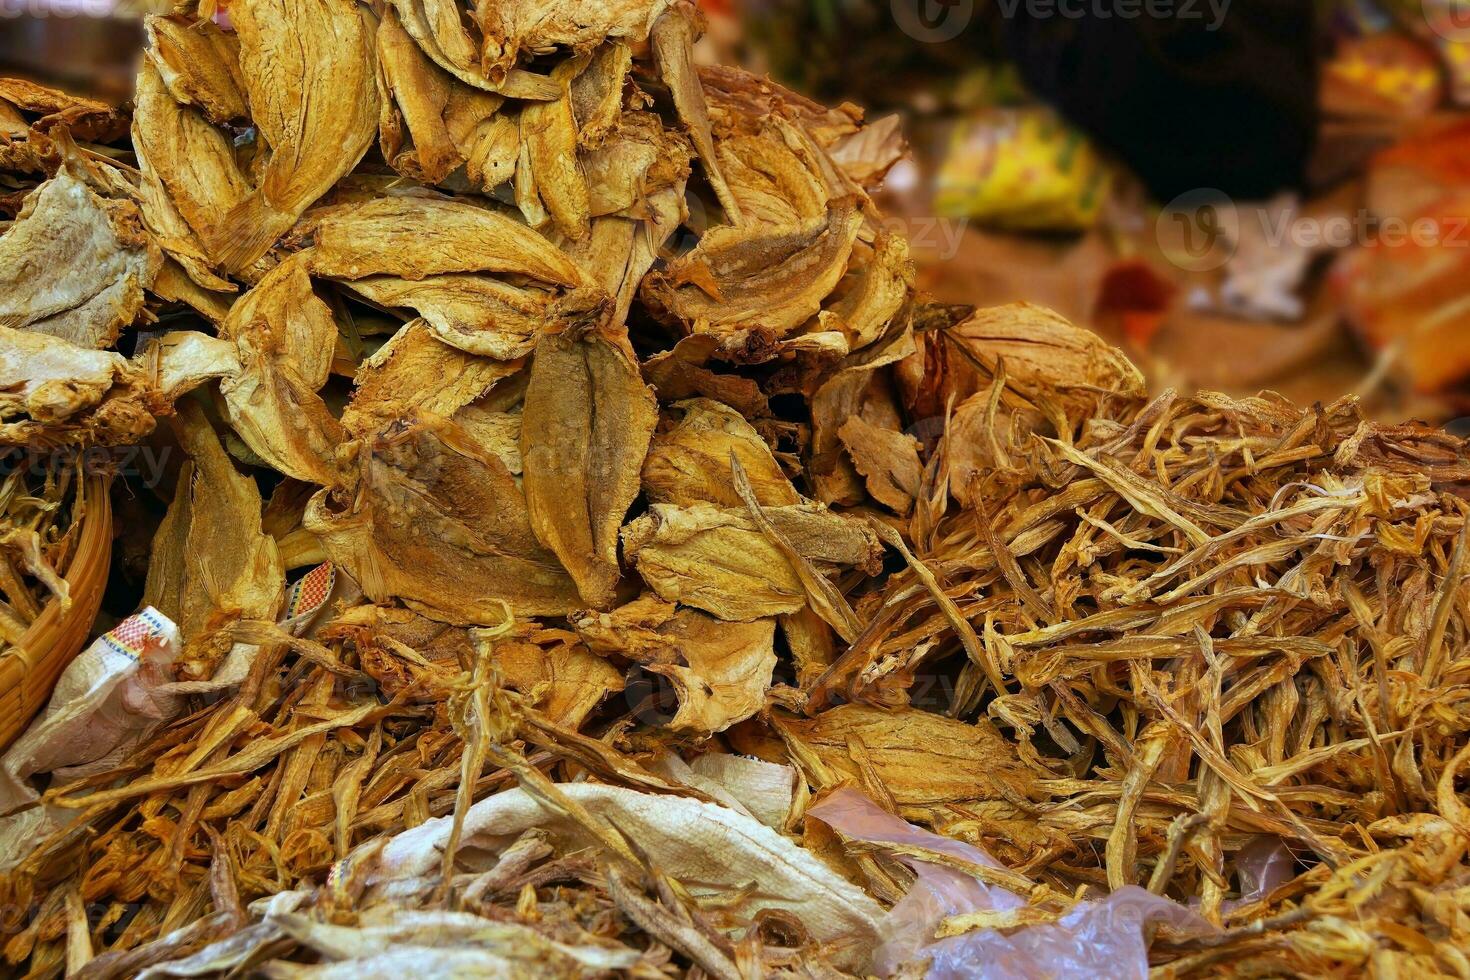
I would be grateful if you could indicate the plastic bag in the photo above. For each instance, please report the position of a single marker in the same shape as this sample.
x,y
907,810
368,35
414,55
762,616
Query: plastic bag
x,y
1110,931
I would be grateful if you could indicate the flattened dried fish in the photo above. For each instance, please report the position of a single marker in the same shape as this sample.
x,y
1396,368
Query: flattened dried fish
x,y
720,671
85,119
438,522
532,27
718,560
310,74
674,33
191,176
74,265
55,393
285,336
750,286
414,373
415,237
211,561
549,138
588,419
199,64
481,315
415,96
690,462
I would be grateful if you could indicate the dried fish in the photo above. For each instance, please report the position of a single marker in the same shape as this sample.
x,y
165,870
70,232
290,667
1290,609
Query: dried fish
x,y
310,77
588,419
74,265
1194,663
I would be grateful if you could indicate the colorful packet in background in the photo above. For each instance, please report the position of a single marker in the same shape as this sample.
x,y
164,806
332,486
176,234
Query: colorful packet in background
x,y
1022,169
1382,76
1446,24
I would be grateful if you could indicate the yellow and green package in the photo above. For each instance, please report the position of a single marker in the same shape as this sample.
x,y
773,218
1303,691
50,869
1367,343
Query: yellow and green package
x,y
1021,169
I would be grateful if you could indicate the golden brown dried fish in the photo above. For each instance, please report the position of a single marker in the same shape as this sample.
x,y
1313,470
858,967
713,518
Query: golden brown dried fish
x,y
83,118
588,418
536,27
211,561
54,393
415,94
752,287
718,560
415,373
74,265
199,64
416,237
285,336
191,176
437,521
549,142
689,463
311,79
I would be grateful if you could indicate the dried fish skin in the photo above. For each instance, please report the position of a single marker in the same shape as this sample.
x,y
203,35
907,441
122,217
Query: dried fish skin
x,y
439,28
211,561
54,393
719,561
587,422
85,119
740,284
311,79
285,336
535,27
484,316
75,265
492,148
416,374
741,101
414,96
773,185
193,163
199,64
689,463
417,237
867,155
438,522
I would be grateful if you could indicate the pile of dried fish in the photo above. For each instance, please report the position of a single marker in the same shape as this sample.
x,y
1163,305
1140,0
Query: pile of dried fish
x,y
590,555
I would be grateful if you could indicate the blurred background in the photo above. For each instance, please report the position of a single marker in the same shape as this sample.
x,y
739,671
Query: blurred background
x,y
1243,194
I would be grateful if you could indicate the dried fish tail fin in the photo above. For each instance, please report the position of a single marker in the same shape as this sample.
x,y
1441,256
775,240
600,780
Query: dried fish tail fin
x,y
247,232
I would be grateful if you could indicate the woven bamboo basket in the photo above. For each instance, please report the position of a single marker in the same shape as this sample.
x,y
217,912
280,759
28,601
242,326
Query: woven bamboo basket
x,y
29,670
